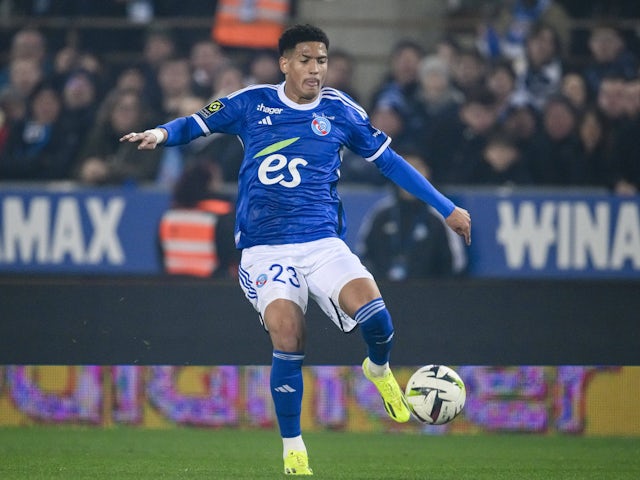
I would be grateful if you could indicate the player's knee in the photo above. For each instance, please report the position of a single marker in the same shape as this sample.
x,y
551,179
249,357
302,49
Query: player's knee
x,y
285,322
288,344
287,338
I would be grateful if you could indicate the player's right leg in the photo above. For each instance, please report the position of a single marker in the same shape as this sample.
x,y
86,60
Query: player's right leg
x,y
285,323
281,305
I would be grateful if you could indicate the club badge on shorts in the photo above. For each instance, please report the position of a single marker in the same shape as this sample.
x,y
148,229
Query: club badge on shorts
x,y
261,280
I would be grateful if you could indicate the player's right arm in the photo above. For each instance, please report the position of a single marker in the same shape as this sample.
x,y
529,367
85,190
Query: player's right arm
x,y
149,139
222,115
176,132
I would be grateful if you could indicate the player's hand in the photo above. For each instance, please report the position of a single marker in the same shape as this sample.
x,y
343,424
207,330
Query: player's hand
x,y
148,139
460,222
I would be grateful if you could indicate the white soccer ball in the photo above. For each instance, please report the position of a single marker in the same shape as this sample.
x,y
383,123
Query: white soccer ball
x,y
436,394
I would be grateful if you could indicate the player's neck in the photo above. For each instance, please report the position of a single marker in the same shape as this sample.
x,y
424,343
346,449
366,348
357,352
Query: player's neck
x,y
296,98
292,101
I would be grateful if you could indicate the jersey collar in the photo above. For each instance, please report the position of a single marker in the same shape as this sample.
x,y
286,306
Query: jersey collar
x,y
297,106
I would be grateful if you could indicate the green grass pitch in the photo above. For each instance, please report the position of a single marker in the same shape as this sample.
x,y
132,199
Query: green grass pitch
x,y
77,453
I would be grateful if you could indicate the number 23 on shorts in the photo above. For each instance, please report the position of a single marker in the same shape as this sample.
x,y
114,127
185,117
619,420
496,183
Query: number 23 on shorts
x,y
284,274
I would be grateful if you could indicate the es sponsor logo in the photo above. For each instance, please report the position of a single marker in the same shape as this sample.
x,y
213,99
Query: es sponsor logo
x,y
277,168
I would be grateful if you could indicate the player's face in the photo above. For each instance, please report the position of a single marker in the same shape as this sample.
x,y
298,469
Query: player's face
x,y
305,70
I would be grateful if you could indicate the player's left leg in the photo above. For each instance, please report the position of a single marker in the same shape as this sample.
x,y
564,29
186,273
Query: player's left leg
x,y
347,293
361,300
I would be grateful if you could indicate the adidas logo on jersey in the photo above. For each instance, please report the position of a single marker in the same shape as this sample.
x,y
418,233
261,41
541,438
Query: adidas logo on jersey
x,y
265,121
285,389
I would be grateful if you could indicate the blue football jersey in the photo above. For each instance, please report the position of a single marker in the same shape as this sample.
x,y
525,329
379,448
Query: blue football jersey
x,y
287,184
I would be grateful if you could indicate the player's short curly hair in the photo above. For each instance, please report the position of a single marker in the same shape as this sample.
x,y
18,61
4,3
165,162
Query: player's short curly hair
x,y
296,34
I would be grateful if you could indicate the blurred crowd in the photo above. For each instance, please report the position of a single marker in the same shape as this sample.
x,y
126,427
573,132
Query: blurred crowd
x,y
513,107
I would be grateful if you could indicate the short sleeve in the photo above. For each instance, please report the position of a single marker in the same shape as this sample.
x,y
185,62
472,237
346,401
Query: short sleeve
x,y
364,139
223,115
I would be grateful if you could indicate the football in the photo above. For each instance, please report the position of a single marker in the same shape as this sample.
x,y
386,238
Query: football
x,y
436,394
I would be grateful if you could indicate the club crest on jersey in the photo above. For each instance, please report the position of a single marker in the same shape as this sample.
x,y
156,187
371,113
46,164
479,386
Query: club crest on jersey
x,y
261,280
321,126
213,107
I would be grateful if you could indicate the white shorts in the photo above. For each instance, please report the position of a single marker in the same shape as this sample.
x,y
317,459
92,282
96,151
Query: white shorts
x,y
296,271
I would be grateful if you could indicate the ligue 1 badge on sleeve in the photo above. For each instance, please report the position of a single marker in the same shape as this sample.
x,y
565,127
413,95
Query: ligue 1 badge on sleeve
x,y
213,107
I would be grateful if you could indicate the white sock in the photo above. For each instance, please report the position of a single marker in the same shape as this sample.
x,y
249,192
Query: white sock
x,y
378,370
293,443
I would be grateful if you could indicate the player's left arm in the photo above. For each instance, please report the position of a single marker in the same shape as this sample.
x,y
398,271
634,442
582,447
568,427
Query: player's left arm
x,y
394,167
373,145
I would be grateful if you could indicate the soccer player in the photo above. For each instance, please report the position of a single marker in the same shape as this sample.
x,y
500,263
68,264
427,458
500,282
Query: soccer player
x,y
290,221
